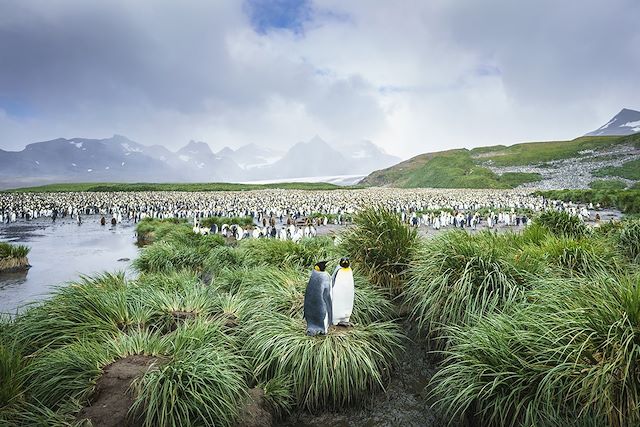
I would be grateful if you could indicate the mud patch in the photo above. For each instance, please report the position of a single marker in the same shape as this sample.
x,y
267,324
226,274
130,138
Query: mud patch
x,y
254,414
112,399
405,402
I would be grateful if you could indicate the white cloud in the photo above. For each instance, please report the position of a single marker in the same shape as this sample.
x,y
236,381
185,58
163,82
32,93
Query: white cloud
x,y
412,77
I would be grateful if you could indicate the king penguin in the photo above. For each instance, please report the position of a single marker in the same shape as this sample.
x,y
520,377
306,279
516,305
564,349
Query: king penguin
x,y
342,293
317,301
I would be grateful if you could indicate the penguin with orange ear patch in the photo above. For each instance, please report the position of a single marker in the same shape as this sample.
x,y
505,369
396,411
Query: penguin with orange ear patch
x,y
317,301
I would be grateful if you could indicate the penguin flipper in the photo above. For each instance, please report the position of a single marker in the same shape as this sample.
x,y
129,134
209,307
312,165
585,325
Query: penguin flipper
x,y
326,296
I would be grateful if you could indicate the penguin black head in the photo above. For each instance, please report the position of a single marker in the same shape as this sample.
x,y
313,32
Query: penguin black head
x,y
320,266
344,262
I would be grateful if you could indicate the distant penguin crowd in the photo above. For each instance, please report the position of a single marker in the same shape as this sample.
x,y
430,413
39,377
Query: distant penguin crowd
x,y
290,214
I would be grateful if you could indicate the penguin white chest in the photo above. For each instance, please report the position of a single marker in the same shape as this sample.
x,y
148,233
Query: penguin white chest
x,y
342,296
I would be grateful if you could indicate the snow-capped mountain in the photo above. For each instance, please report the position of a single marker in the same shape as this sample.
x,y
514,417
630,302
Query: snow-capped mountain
x,y
119,159
626,122
198,158
116,159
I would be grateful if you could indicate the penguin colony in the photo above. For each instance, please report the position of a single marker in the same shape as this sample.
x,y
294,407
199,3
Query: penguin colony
x,y
328,300
419,207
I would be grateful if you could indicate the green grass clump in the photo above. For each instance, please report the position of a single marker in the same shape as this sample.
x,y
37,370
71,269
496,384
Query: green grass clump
x,y
243,221
166,257
561,223
12,366
329,372
206,387
629,239
89,308
568,356
381,246
283,253
9,250
583,256
608,184
457,278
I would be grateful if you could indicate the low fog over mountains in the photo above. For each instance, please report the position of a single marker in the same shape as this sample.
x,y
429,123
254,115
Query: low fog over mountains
x,y
118,159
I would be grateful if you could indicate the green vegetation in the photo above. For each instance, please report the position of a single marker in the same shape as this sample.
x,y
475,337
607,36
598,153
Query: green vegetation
x,y
9,250
531,153
455,279
214,186
205,322
627,201
567,358
465,168
536,328
514,179
608,184
562,224
381,246
447,169
533,326
628,170
244,221
13,257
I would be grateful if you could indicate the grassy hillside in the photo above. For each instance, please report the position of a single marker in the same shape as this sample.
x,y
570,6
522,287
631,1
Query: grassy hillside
x,y
464,168
447,169
628,170
215,186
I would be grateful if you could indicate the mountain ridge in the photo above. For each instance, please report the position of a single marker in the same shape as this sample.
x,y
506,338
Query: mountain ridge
x,y
120,159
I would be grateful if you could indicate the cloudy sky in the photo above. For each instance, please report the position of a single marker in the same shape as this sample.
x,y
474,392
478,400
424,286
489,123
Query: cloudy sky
x,y
411,76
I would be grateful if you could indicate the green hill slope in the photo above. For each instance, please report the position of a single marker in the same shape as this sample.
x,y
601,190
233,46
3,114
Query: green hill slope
x,y
464,168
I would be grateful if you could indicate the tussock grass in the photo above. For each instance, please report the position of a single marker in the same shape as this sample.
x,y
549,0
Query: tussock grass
x,y
164,257
567,357
581,256
13,257
278,395
90,308
629,239
169,282
243,221
9,250
198,378
381,246
11,366
279,253
457,278
201,389
333,371
561,223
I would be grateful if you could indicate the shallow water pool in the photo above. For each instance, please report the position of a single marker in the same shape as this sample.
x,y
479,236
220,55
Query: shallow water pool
x,y
60,252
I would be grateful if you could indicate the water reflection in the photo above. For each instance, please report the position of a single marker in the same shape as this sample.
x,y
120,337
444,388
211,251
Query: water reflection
x,y
61,252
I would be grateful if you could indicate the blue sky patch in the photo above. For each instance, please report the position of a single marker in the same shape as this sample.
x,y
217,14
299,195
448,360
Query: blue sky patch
x,y
16,107
267,15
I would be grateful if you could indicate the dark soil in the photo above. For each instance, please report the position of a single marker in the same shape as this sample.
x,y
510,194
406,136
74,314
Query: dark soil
x,y
112,399
405,401
254,413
